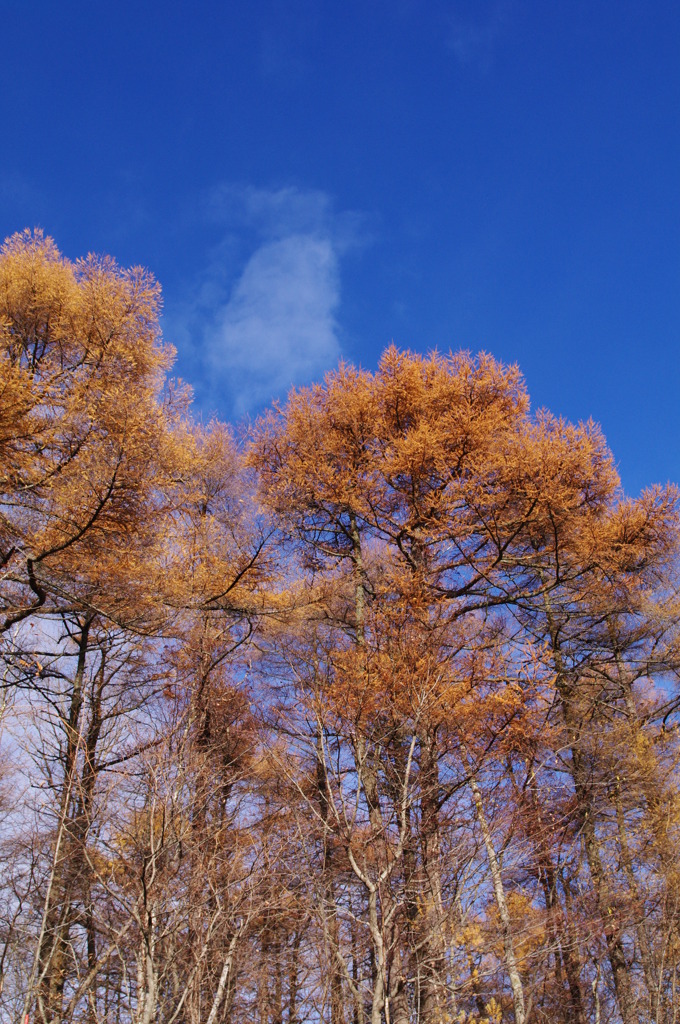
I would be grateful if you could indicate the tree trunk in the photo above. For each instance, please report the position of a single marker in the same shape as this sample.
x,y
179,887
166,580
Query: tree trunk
x,y
611,926
53,953
502,904
434,1005
586,815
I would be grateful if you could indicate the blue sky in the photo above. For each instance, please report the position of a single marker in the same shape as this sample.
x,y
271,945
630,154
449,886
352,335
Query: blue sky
x,y
313,180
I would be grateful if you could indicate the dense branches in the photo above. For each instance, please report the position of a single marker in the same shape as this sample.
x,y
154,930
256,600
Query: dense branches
x,y
371,718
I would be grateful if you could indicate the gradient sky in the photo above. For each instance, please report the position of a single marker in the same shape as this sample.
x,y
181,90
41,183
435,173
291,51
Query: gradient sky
x,y
313,180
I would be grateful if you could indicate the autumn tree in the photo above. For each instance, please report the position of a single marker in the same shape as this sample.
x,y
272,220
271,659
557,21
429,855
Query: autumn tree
x,y
129,568
371,718
427,503
82,427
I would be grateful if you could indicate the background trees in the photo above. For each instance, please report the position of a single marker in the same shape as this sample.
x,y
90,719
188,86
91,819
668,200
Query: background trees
x,y
372,717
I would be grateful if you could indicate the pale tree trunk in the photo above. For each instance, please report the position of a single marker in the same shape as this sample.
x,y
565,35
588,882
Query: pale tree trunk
x,y
224,978
435,1004
69,860
369,784
383,906
502,905
147,984
398,1001
331,924
375,900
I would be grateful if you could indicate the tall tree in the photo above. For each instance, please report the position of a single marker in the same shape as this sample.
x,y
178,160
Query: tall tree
x,y
82,428
375,720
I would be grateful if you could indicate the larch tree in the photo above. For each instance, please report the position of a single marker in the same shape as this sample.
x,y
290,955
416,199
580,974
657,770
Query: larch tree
x,y
369,716
425,502
83,426
126,560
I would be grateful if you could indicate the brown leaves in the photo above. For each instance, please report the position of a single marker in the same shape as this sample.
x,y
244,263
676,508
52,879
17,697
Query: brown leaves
x,y
81,422
410,606
387,447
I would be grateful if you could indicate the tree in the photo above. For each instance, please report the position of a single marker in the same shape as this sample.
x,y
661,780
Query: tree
x,y
83,426
129,569
426,503
371,716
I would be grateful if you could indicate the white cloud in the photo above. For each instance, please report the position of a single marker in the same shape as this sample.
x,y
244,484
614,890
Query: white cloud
x,y
278,211
278,327
264,314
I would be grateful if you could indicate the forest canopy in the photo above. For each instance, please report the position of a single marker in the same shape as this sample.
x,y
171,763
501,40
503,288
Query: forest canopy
x,y
367,713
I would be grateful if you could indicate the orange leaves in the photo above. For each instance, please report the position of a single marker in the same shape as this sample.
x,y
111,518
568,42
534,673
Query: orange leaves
x,y
313,457
406,600
214,569
387,447
642,534
444,418
426,497
81,369
438,458
528,926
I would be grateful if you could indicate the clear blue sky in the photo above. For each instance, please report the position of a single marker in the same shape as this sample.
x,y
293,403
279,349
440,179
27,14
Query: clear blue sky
x,y
312,179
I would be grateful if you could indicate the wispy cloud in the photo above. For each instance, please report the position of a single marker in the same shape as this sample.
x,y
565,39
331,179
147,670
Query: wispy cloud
x,y
279,326
265,315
